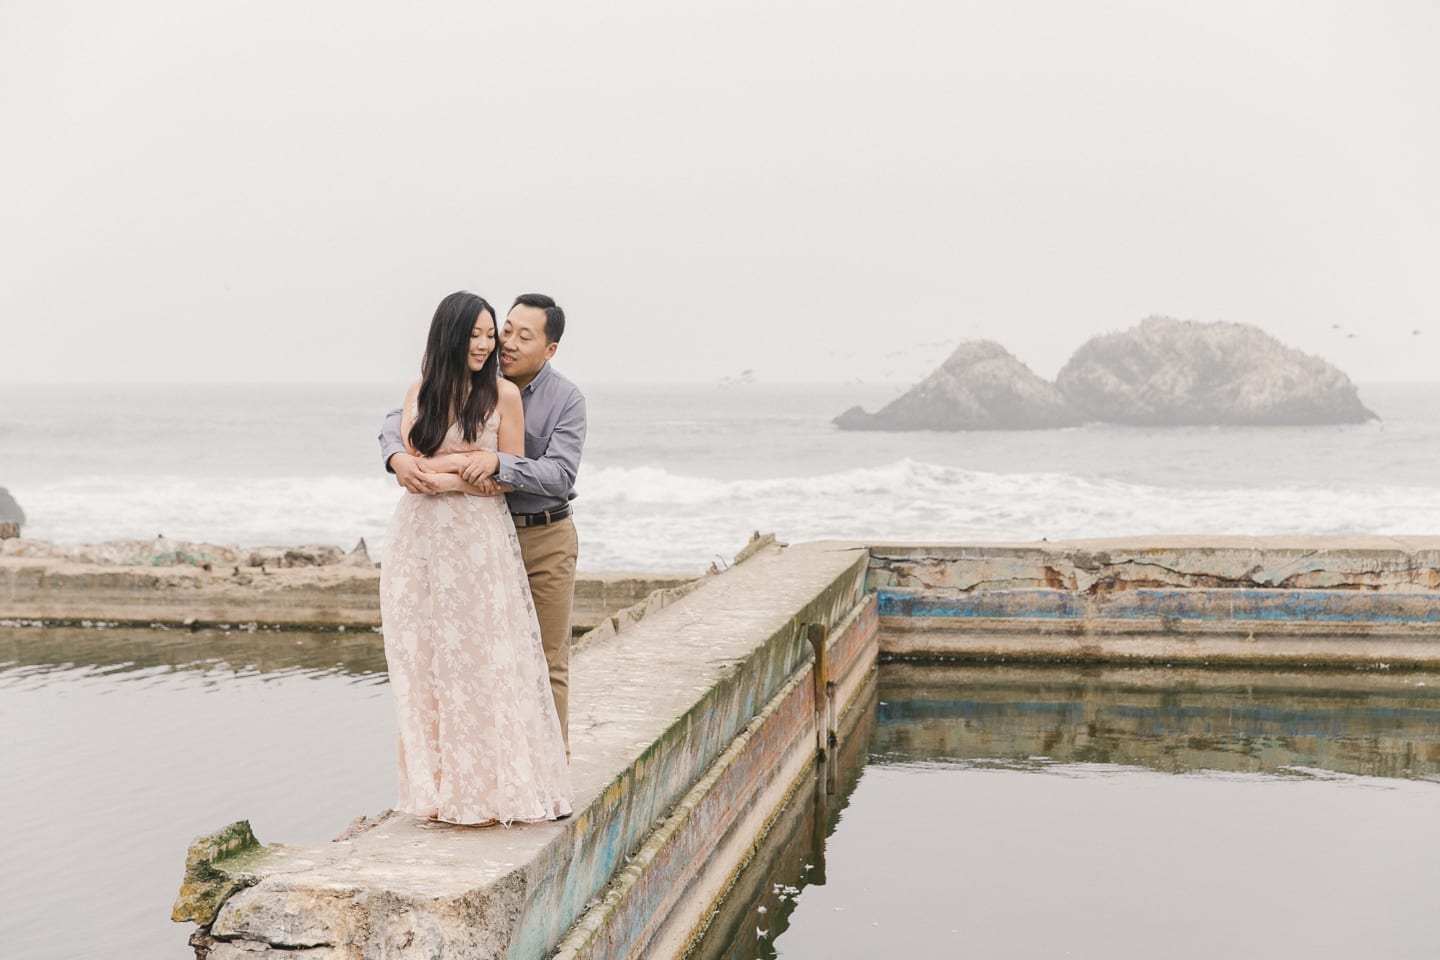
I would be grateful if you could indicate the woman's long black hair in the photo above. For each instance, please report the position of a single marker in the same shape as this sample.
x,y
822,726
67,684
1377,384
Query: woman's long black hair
x,y
449,392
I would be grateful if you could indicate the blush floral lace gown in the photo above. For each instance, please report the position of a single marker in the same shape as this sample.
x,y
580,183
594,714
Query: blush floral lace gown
x,y
479,737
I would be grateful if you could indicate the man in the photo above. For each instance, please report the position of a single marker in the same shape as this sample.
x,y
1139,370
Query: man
x,y
542,482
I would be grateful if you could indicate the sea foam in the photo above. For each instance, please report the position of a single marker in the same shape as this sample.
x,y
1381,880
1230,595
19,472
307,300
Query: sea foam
x,y
649,517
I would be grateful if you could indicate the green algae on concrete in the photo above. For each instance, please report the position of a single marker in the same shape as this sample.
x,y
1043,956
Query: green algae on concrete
x,y
213,872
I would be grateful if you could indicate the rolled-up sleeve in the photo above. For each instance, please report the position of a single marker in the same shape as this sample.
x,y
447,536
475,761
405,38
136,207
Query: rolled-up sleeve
x,y
553,473
390,442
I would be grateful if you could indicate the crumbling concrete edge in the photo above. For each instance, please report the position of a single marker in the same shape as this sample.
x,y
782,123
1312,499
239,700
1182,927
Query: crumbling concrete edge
x,y
215,869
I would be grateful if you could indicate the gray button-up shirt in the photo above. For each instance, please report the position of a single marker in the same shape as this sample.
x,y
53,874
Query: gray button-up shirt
x,y
544,478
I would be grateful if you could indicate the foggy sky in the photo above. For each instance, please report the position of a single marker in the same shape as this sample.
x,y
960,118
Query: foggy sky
x,y
815,191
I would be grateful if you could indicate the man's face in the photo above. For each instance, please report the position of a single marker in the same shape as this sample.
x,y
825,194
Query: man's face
x,y
525,348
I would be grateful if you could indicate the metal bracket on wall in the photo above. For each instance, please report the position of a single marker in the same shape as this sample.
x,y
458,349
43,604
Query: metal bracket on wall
x,y
826,715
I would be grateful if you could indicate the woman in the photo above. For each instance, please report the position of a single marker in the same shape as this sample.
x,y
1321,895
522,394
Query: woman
x,y
479,737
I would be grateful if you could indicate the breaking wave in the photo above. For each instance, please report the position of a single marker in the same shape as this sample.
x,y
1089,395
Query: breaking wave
x,y
651,518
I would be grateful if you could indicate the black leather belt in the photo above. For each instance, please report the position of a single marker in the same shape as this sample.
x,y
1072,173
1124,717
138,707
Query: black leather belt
x,y
542,518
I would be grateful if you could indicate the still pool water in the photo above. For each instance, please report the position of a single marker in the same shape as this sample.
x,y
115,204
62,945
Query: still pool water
x,y
970,812
120,746
1064,812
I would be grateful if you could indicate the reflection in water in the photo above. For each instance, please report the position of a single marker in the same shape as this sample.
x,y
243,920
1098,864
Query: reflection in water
x,y
121,745
28,653
792,856
969,792
1372,723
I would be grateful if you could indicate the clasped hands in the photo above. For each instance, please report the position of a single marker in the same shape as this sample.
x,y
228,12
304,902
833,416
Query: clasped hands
x,y
448,473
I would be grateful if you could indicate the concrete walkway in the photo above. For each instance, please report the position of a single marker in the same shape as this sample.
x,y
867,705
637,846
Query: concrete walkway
x,y
652,707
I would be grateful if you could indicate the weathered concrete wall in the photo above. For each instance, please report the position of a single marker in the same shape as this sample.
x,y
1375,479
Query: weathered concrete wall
x,y
1238,599
1096,567
653,708
660,900
65,592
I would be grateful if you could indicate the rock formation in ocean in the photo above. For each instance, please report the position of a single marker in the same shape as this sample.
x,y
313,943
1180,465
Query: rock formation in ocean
x,y
11,516
982,386
9,509
1167,372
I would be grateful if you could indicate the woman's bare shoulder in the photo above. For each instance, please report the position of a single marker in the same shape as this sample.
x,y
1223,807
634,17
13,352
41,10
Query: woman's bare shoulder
x,y
508,391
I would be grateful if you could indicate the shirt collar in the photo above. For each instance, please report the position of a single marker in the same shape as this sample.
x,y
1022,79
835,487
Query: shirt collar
x,y
539,378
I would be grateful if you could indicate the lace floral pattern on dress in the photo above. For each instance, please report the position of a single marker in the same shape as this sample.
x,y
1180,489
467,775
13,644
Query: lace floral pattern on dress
x,y
479,737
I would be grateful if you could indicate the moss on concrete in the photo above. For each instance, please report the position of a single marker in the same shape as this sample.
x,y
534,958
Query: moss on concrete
x,y
213,871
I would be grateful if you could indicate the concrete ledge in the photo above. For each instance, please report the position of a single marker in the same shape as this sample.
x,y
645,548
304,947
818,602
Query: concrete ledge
x,y
1093,567
1145,603
67,593
1236,643
1236,600
652,709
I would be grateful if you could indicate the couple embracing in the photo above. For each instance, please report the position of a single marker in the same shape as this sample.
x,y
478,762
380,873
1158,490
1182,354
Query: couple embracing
x,y
478,571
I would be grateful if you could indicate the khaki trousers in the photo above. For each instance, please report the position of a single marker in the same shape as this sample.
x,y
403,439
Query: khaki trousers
x,y
549,553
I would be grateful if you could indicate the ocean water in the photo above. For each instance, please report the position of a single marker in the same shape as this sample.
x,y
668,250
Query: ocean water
x,y
677,476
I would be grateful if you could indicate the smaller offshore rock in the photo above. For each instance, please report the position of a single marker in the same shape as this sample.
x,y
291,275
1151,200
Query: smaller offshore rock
x,y
1167,372
11,516
982,386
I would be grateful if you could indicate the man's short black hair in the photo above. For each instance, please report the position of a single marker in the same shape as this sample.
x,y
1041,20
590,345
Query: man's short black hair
x,y
554,316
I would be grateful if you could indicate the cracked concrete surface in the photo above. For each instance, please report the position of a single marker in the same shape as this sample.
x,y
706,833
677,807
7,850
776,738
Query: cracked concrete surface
x,y
1251,600
1392,564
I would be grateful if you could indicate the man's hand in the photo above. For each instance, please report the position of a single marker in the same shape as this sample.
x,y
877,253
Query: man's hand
x,y
409,475
482,465
488,487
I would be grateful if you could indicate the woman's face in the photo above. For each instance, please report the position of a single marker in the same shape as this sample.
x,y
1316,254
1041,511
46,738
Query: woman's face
x,y
482,341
